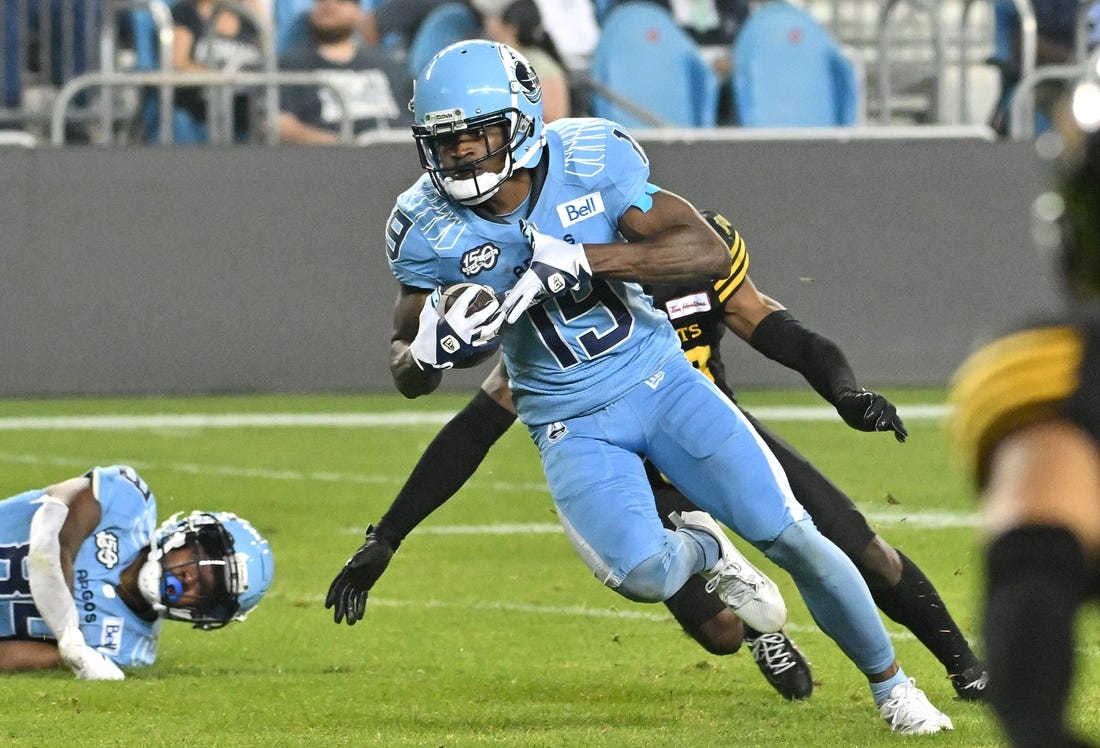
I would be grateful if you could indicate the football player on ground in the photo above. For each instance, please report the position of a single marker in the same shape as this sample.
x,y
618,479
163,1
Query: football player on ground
x,y
700,315
89,575
1027,418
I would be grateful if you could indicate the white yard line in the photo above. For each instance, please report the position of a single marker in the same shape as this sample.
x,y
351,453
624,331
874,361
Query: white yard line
x,y
580,611
921,519
360,420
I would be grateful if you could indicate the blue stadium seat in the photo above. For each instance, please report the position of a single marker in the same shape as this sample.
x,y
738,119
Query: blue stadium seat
x,y
788,71
447,24
290,22
645,58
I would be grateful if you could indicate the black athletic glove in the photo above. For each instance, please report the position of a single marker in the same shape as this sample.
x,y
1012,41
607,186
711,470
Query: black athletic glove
x,y
348,592
869,411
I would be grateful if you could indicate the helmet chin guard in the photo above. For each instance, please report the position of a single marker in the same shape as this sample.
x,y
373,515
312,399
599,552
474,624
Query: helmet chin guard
x,y
479,188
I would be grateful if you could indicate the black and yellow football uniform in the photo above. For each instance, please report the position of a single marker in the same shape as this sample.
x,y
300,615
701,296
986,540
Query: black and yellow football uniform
x,y
1024,377
697,314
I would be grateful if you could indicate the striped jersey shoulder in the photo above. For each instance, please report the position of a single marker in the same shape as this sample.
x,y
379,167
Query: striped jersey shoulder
x,y
1016,380
739,253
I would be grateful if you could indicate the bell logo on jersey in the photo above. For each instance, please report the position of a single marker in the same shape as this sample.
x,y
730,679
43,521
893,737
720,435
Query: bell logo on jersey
x,y
110,640
580,209
107,543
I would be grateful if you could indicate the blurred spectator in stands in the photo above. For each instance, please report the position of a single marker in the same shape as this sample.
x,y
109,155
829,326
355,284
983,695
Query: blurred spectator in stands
x,y
211,36
394,22
1055,44
290,20
519,25
573,26
1094,24
376,88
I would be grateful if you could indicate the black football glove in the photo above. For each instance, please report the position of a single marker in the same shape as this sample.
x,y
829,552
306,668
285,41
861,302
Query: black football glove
x,y
869,411
348,592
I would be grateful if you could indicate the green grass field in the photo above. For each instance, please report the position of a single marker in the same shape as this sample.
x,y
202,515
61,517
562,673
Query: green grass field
x,y
472,637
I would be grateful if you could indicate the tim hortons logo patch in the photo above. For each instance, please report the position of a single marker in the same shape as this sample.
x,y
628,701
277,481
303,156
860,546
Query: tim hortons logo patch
x,y
687,305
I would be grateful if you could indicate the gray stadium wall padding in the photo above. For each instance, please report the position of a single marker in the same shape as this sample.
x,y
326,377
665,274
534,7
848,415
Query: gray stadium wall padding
x,y
159,270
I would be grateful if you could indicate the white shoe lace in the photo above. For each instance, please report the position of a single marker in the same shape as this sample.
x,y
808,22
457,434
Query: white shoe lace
x,y
771,650
737,585
908,710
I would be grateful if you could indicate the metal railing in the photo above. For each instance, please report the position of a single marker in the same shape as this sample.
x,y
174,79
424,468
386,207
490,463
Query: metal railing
x,y
1022,104
63,37
222,81
1028,43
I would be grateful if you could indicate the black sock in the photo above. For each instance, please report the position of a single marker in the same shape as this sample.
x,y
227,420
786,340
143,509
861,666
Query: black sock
x,y
915,604
450,459
1036,581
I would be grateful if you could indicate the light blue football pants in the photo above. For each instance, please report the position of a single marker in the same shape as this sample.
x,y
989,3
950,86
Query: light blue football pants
x,y
703,444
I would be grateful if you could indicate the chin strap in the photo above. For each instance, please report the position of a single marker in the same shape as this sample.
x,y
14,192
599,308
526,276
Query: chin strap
x,y
471,191
151,574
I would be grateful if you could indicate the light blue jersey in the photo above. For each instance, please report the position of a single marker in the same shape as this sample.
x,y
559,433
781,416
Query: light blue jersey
x,y
129,517
571,355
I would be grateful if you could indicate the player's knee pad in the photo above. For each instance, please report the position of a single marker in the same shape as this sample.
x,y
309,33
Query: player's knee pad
x,y
649,581
801,550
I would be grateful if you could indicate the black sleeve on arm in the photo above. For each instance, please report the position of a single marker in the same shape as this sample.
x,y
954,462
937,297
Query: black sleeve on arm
x,y
782,338
448,462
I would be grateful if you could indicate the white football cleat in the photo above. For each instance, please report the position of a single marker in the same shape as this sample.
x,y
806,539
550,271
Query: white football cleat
x,y
909,711
745,589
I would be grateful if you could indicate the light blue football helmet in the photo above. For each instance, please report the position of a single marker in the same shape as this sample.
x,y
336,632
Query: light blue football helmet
x,y
468,87
239,557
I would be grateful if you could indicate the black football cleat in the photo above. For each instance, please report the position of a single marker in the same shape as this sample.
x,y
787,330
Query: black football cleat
x,y
971,684
782,665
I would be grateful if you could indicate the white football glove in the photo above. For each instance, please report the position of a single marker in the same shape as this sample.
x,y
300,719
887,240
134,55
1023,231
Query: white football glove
x,y
556,267
85,662
443,340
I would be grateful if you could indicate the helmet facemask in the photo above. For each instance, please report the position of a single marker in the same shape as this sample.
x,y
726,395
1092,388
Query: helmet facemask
x,y
463,182
212,563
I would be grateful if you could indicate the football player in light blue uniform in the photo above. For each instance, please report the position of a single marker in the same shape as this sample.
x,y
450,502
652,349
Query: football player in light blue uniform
x,y
539,213
86,576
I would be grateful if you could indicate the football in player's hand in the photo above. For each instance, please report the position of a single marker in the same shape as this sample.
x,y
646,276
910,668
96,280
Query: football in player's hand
x,y
483,299
449,294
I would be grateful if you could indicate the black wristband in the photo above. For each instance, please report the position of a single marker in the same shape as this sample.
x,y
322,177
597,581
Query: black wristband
x,y
784,339
450,459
